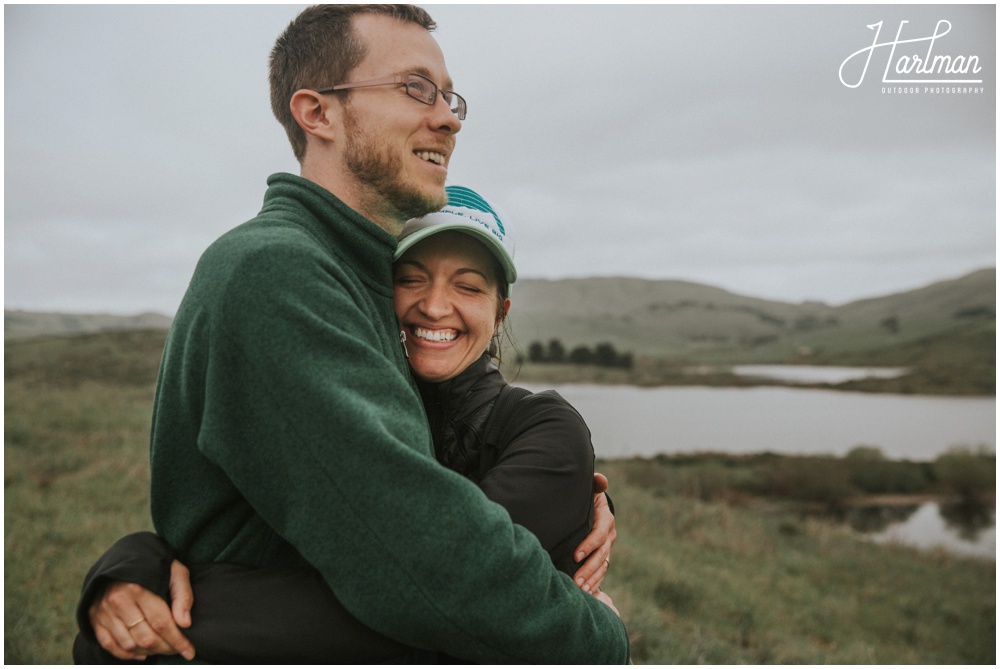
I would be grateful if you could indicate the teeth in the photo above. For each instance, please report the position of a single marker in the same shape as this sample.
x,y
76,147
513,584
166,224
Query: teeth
x,y
436,158
435,335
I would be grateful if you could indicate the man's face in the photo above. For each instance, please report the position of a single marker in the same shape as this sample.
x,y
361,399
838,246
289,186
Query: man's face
x,y
397,149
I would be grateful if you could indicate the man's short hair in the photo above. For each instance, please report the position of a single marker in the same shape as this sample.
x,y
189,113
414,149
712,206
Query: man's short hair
x,y
320,48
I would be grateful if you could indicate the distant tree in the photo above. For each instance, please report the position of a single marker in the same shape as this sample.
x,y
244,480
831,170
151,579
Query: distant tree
x,y
891,324
581,355
807,323
864,452
557,352
976,312
759,340
606,355
768,319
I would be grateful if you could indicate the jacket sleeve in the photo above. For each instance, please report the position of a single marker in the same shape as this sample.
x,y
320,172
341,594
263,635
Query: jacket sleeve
x,y
142,558
242,615
314,423
545,475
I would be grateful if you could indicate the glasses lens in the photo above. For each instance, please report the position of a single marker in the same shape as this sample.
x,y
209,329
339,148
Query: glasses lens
x,y
422,89
457,104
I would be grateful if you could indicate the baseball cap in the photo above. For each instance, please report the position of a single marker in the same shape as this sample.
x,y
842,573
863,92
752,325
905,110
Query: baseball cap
x,y
469,212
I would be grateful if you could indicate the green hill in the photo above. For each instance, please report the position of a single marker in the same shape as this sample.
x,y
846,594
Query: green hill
x,y
17,323
944,332
677,318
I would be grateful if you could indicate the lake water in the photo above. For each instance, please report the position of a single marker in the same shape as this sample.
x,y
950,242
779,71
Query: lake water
x,y
816,373
961,530
628,421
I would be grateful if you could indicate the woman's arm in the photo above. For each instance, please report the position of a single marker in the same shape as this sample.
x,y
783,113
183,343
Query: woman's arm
x,y
134,576
545,475
241,614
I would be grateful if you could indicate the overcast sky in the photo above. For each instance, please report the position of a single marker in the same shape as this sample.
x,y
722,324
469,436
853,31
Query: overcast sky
x,y
715,144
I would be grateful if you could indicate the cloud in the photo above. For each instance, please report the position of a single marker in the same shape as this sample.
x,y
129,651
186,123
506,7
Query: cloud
x,y
713,144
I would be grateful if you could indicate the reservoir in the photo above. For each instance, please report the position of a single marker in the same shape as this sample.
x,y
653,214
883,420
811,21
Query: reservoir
x,y
629,421
816,374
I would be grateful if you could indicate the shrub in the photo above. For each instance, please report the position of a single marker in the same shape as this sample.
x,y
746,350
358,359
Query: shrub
x,y
706,482
809,479
967,472
872,473
866,453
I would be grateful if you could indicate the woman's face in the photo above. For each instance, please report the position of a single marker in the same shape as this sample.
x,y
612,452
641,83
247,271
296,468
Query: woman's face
x,y
445,296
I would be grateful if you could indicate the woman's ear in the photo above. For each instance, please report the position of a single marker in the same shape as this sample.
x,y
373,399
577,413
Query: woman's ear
x,y
506,310
315,113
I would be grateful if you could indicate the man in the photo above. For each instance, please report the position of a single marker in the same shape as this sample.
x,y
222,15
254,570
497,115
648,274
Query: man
x,y
286,429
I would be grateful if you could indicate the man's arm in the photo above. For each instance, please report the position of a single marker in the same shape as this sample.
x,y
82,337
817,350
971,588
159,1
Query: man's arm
x,y
233,601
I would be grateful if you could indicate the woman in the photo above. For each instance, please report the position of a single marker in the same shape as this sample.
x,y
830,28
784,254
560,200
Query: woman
x,y
530,453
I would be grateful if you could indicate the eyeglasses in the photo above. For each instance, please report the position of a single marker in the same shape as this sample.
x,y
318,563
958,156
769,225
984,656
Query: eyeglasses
x,y
417,86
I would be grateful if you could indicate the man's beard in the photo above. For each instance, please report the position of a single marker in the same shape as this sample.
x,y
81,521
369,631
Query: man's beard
x,y
373,164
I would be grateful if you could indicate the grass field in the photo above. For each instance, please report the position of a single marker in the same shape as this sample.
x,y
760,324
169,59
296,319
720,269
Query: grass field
x,y
696,581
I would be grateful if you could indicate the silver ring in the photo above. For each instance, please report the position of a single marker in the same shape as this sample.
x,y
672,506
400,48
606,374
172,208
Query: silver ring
x,y
607,562
136,622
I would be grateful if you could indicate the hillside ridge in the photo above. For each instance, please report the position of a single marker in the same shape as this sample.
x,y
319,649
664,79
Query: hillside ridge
x,y
669,317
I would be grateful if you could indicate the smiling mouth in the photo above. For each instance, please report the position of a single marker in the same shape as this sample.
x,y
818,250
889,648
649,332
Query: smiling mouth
x,y
431,157
435,335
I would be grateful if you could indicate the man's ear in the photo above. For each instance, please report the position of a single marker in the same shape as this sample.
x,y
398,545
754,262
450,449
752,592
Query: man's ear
x,y
315,113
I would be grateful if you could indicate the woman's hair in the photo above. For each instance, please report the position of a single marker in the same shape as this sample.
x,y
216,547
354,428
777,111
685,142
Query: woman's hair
x,y
320,48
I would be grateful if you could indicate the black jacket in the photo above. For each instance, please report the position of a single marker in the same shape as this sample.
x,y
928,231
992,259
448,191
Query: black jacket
x,y
544,475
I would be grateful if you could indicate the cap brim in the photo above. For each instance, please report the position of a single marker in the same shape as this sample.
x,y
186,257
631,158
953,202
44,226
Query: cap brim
x,y
510,272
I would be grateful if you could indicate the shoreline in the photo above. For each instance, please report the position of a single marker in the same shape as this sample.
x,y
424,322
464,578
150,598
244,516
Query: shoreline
x,y
668,377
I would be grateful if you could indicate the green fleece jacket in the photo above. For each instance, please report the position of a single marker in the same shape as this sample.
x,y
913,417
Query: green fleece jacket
x,y
286,428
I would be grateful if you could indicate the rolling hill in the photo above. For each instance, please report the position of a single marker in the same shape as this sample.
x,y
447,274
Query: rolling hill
x,y
663,318
678,318
17,323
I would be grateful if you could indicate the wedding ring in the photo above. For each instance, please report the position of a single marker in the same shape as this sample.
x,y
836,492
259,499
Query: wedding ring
x,y
136,622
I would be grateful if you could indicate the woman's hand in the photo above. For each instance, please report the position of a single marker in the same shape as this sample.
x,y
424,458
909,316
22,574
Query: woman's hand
x,y
597,545
132,623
